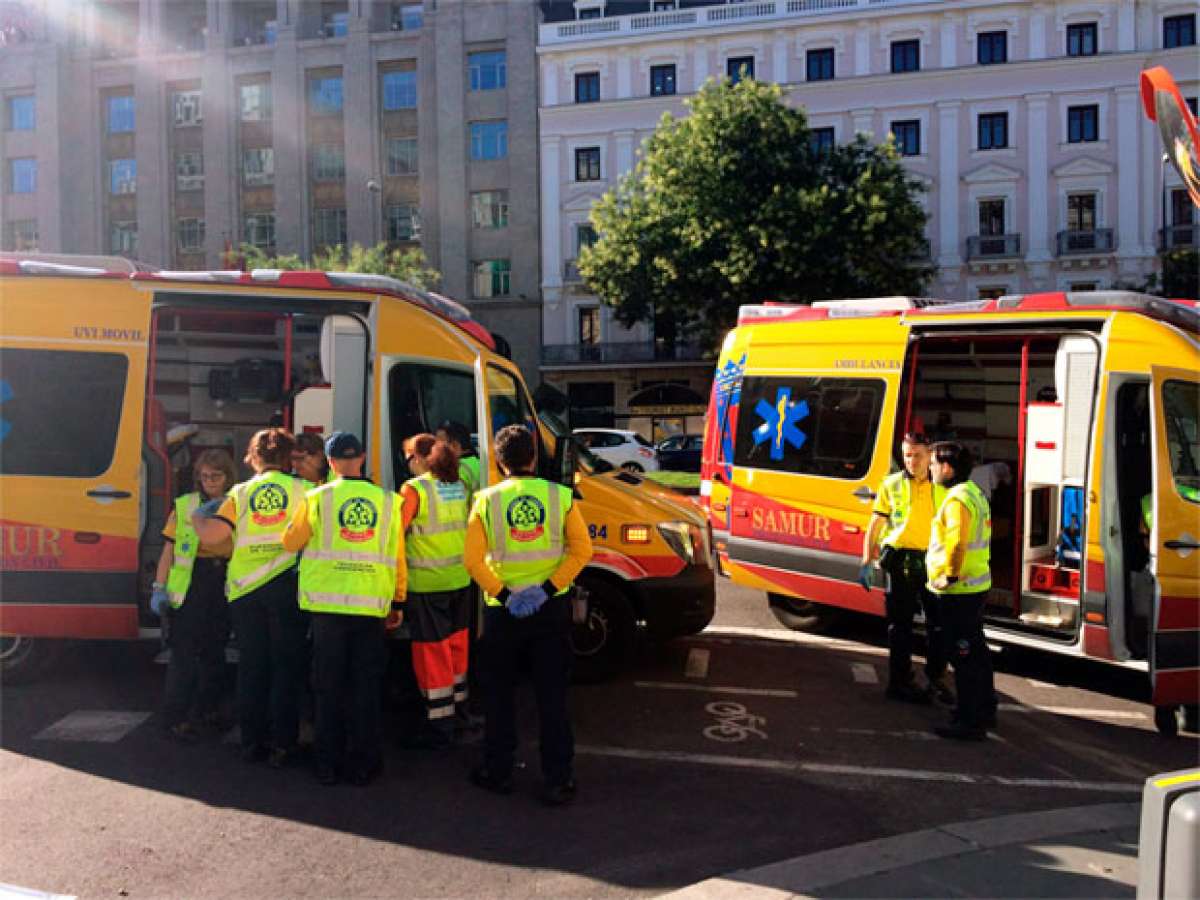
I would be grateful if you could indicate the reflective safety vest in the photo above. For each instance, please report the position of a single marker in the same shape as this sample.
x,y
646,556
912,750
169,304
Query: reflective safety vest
x,y
524,519
468,471
898,488
264,505
437,536
349,563
976,574
187,545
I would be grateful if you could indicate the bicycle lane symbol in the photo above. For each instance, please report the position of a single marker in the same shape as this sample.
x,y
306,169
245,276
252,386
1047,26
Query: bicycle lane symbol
x,y
734,722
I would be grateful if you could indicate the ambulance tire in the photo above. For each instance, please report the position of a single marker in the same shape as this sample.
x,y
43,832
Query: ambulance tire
x,y
803,615
604,644
633,467
1191,718
24,659
1168,719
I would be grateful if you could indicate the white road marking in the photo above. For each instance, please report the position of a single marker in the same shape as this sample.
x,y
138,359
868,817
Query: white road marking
x,y
697,663
1033,682
1073,711
716,689
794,767
788,637
99,726
864,673
734,722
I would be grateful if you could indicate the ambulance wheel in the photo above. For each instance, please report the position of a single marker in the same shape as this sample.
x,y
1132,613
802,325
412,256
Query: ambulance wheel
x,y
1167,720
803,615
24,659
633,467
604,643
1191,718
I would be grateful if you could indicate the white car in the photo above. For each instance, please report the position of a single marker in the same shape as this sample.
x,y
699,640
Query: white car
x,y
627,450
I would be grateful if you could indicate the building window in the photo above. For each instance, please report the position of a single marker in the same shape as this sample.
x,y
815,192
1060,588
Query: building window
x,y
587,87
329,227
489,209
1179,31
21,113
822,140
258,230
1191,104
587,164
906,56
403,222
258,166
400,90
1081,39
908,137
492,278
191,235
993,131
489,140
325,96
122,176
1083,124
22,234
993,293
1081,212
22,176
820,64
991,218
189,171
739,67
1182,210
329,162
122,238
662,80
120,117
409,18
488,70
255,102
593,12
1082,287
187,108
662,5
402,158
991,47
589,325
585,236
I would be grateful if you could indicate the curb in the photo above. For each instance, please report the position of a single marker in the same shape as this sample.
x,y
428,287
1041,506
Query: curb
x,y
825,868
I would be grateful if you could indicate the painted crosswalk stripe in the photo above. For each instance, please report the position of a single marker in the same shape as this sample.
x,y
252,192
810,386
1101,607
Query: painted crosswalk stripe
x,y
716,689
1074,711
697,663
864,673
98,726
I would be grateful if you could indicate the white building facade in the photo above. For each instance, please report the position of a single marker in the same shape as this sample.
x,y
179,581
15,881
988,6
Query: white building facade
x,y
1022,119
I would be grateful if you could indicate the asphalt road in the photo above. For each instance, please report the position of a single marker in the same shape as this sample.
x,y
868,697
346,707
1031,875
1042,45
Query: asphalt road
x,y
742,746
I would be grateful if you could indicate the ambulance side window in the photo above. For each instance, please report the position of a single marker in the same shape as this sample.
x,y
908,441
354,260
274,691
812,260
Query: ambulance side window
x,y
421,398
507,401
60,411
809,426
1181,407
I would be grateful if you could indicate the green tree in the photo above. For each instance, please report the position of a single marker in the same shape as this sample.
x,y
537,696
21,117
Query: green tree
x,y
407,265
734,204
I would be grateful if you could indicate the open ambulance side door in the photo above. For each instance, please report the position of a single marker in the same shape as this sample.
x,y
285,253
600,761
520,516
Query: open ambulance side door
x,y
1175,536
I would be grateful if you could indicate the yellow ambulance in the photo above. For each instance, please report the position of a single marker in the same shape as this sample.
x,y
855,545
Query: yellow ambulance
x,y
113,378
1082,410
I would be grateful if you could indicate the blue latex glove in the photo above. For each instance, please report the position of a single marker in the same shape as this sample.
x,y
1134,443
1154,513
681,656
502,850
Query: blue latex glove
x,y
535,596
159,604
209,508
517,606
864,576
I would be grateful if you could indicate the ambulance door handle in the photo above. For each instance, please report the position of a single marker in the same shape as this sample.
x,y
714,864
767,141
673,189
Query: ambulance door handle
x,y
864,493
107,493
1182,545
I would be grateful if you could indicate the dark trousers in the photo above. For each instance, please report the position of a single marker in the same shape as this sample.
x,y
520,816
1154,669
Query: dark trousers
x,y
438,622
349,660
271,631
906,595
969,655
544,640
198,632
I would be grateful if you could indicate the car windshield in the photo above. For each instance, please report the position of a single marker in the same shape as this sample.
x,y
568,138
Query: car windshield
x,y
641,440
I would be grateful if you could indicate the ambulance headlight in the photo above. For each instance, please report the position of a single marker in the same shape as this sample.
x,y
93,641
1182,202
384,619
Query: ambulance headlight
x,y
678,536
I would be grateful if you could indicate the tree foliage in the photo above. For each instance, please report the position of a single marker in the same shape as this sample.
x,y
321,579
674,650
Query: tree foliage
x,y
407,265
733,204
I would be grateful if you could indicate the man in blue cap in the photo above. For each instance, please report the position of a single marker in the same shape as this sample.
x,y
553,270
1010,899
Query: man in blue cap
x,y
352,579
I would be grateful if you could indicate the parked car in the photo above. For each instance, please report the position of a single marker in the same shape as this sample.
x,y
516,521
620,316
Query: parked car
x,y
680,452
627,450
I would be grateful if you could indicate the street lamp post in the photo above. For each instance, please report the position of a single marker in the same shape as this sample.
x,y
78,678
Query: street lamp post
x,y
374,190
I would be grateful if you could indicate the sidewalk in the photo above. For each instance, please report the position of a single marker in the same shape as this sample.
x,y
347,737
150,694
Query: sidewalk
x,y
1081,851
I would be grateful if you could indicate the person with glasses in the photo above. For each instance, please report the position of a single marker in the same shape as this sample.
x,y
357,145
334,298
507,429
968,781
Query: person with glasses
x,y
309,463
897,539
189,589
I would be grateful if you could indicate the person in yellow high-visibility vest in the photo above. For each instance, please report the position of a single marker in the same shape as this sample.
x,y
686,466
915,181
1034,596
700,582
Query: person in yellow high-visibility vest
x,y
458,436
958,566
352,581
189,588
261,586
309,462
526,542
439,588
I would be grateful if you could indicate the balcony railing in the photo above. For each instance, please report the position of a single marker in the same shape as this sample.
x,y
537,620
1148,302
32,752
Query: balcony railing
x,y
1081,243
993,246
1179,237
571,271
624,352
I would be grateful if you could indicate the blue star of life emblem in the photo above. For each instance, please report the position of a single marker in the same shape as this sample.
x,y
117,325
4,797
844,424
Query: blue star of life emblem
x,y
779,422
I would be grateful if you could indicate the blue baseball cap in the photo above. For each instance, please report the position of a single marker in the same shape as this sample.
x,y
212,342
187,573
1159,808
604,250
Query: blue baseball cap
x,y
343,445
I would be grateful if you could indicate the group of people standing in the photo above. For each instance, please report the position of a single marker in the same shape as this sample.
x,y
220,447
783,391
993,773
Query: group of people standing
x,y
930,534
308,559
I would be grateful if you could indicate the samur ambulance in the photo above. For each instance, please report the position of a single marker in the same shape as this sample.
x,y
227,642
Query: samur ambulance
x,y
1083,408
112,380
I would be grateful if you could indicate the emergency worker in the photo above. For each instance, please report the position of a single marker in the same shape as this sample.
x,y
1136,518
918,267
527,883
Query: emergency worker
x,y
958,565
898,537
261,586
189,588
308,460
526,542
457,435
352,575
439,588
